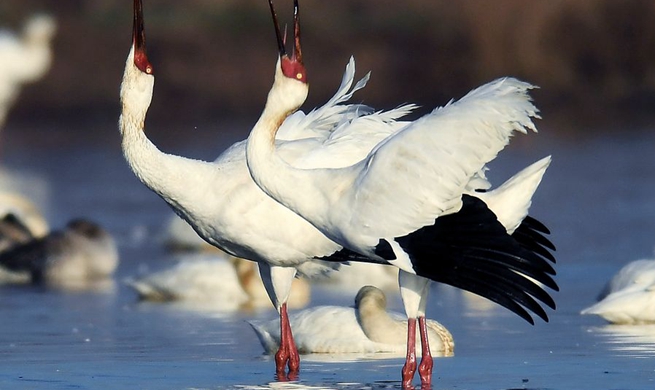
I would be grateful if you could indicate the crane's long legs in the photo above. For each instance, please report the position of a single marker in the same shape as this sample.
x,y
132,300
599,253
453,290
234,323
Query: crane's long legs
x,y
425,368
287,354
410,362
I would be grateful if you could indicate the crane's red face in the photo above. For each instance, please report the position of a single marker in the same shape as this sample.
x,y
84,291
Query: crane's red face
x,y
292,67
139,40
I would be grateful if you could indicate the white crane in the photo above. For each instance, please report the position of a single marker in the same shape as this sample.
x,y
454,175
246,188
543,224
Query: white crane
x,y
220,200
410,201
24,58
365,328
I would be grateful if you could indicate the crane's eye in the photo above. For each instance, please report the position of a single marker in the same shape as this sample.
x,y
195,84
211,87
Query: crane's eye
x,y
294,69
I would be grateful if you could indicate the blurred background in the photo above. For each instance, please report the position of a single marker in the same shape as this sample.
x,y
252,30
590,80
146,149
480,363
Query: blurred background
x,y
214,60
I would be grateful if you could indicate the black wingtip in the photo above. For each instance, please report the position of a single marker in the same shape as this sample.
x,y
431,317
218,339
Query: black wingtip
x,y
472,250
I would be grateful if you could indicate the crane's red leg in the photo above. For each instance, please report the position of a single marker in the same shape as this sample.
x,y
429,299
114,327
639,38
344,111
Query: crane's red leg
x,y
294,356
425,368
410,362
287,353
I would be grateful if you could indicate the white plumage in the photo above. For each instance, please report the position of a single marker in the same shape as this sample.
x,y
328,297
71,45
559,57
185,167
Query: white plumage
x,y
24,58
180,236
365,328
629,297
416,175
219,199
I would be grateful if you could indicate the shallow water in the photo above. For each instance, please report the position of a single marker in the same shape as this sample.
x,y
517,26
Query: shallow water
x,y
597,198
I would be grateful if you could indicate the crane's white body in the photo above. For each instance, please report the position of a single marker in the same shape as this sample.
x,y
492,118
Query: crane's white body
x,y
220,200
365,328
630,295
24,58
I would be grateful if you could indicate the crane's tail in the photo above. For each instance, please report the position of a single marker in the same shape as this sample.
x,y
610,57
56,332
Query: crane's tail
x,y
472,250
511,201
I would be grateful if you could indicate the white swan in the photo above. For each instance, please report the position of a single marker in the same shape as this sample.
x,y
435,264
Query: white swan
x,y
215,280
366,328
629,297
81,253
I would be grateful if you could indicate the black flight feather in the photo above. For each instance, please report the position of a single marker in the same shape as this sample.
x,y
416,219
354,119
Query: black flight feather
x,y
471,250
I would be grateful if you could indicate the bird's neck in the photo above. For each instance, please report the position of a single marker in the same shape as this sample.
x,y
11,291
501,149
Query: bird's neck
x,y
175,179
293,187
378,325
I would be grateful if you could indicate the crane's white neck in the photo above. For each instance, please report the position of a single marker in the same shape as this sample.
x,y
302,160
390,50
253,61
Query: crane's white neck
x,y
286,184
176,179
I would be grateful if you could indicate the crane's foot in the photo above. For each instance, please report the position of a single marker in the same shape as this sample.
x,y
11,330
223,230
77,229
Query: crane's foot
x,y
294,361
425,371
281,359
408,375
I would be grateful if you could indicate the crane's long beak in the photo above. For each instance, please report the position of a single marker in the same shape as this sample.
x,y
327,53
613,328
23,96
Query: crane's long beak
x,y
281,39
296,32
139,33
139,39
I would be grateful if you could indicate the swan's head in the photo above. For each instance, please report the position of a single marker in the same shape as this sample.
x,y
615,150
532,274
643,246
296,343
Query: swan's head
x,y
290,75
138,79
86,228
98,247
370,297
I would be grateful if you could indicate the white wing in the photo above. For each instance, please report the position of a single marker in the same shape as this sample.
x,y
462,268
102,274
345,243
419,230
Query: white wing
x,y
321,121
421,172
349,143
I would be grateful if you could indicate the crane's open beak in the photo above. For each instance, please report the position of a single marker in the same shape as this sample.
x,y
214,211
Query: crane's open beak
x,y
292,66
139,40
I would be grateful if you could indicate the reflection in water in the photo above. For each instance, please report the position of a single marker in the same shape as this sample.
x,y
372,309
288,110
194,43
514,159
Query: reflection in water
x,y
629,340
284,385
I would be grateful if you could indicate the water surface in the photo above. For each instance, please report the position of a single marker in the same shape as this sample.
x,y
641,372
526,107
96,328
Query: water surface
x,y
597,198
